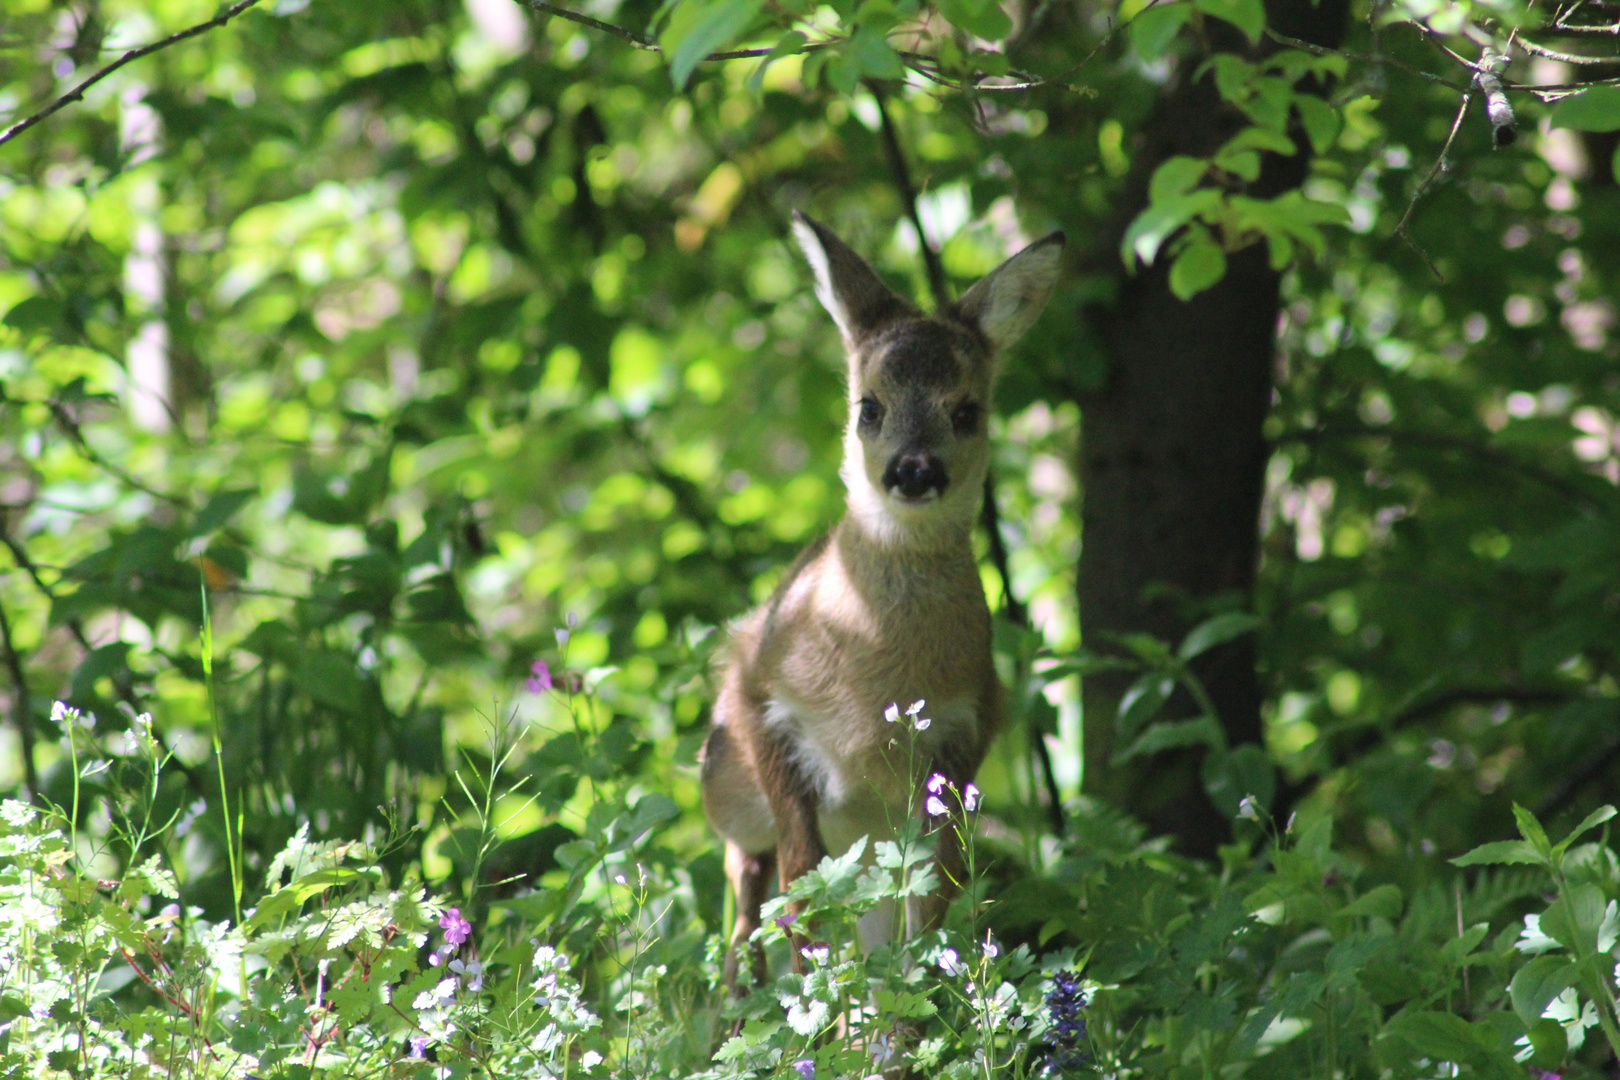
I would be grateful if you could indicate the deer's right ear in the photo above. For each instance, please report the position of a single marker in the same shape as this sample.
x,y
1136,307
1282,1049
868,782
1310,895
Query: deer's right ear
x,y
847,287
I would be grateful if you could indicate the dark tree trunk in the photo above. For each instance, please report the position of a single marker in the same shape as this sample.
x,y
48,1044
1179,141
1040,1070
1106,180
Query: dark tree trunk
x,y
1173,460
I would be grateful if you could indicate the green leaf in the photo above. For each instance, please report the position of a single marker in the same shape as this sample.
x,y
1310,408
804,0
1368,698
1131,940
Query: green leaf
x,y
1143,700
651,810
1200,265
220,509
789,44
1575,918
1172,734
1176,176
697,29
1537,983
982,17
1447,1037
1383,902
1531,830
1597,109
1549,1043
1320,119
1247,15
1216,631
1153,30
1160,220
1242,771
1591,821
874,56
1501,852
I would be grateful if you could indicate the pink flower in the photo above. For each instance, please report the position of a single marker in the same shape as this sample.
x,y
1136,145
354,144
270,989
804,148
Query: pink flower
x,y
785,921
539,678
456,929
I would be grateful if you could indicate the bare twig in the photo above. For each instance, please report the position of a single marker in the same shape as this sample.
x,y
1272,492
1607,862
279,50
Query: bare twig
x,y
21,706
1605,31
1369,58
1434,39
1438,440
70,426
908,195
1438,167
1566,58
77,93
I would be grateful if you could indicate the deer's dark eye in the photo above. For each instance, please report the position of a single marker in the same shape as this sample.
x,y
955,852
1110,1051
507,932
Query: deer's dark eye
x,y
871,412
965,419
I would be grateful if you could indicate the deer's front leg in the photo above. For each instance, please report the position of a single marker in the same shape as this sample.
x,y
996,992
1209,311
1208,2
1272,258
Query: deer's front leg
x,y
794,802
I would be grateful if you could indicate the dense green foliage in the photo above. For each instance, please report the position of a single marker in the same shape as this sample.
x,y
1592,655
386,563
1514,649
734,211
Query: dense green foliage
x,y
357,358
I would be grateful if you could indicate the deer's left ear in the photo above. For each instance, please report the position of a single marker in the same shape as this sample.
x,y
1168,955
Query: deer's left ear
x,y
1008,300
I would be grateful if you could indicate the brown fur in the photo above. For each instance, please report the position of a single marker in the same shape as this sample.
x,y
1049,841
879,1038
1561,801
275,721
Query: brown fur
x,y
887,609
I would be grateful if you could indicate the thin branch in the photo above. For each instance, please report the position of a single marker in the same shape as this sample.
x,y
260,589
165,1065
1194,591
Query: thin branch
x,y
77,93
1567,58
1438,167
908,196
1605,31
640,41
1442,441
21,706
1434,39
1369,58
70,426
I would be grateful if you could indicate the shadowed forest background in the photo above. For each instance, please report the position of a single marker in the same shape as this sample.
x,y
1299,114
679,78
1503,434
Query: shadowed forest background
x,y
350,352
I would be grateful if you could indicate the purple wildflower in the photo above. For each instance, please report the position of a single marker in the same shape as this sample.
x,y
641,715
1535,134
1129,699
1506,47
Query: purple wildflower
x,y
456,929
1064,1005
785,921
419,1046
539,678
805,1068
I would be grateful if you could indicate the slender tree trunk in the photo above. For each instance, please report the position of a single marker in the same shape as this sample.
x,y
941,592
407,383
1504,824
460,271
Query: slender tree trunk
x,y
1173,461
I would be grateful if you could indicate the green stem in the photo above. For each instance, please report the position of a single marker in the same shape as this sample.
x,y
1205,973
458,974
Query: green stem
x,y
232,836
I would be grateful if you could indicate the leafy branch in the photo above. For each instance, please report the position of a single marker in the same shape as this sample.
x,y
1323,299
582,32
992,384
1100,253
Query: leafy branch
x,y
923,64
77,93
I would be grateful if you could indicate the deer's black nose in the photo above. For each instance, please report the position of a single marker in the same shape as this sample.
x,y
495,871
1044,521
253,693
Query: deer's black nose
x,y
915,475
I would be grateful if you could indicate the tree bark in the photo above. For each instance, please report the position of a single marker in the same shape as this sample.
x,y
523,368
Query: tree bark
x,y
1173,460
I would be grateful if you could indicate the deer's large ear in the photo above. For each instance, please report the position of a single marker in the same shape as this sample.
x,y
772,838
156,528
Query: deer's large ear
x,y
847,287
1008,300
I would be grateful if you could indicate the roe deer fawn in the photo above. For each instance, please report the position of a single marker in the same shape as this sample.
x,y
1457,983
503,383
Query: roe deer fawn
x,y
886,608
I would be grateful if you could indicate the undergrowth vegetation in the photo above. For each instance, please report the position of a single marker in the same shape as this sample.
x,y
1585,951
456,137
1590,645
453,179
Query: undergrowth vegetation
x,y
1116,958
